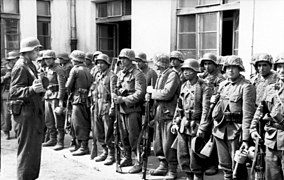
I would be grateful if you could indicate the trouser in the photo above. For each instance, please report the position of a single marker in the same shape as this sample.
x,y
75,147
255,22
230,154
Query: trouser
x,y
274,164
80,119
226,151
104,130
6,122
163,140
30,134
53,122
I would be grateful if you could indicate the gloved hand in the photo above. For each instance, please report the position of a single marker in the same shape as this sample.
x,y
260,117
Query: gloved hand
x,y
254,135
37,86
174,129
214,98
244,145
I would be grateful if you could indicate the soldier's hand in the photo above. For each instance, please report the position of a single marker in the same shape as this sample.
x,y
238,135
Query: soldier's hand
x,y
254,135
174,129
147,97
200,133
244,145
7,75
37,86
60,103
149,89
214,98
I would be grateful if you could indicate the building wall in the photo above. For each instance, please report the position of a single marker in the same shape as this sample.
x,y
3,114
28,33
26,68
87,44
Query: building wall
x,y
267,36
28,18
151,26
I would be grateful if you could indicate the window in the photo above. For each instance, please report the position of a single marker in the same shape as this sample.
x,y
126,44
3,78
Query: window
x,y
43,23
106,39
10,31
113,8
207,29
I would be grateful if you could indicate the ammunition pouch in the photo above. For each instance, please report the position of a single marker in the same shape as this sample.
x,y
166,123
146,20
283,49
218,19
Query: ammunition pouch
x,y
16,107
53,88
233,117
188,114
83,93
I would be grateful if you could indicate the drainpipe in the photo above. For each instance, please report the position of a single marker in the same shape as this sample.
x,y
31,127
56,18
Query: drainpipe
x,y
252,34
74,40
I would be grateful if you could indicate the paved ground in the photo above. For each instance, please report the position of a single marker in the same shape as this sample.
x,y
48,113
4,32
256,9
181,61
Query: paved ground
x,y
62,165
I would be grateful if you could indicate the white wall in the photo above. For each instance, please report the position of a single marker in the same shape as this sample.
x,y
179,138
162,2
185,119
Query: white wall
x,y
60,26
151,26
28,18
268,29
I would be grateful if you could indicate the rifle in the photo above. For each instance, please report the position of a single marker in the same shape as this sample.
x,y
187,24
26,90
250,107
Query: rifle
x,y
258,163
94,151
117,137
68,113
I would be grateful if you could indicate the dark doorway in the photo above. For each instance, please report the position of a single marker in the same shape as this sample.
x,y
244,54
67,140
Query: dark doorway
x,y
124,35
227,33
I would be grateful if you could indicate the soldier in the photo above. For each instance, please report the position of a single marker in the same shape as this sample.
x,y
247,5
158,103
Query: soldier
x,y
95,69
190,119
54,96
105,83
176,60
232,114
131,86
273,110
89,60
212,76
165,95
78,83
26,94
6,121
65,63
263,63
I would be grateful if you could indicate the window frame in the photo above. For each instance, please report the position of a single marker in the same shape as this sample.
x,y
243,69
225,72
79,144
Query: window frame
x,y
45,19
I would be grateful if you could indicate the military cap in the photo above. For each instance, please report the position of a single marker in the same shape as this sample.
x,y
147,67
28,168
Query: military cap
x,y
177,55
29,44
262,57
234,61
208,57
48,54
102,57
127,53
191,64
141,56
12,55
78,55
162,60
89,56
63,56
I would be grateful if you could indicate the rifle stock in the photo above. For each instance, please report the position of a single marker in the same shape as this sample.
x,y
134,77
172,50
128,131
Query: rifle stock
x,y
68,112
117,139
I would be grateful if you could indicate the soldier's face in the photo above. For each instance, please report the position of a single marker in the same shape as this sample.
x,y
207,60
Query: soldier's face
x,y
175,62
233,72
209,66
33,55
88,62
49,61
125,62
102,65
280,71
189,74
263,68
141,64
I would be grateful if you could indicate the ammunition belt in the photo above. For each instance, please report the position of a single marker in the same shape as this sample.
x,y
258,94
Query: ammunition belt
x,y
233,117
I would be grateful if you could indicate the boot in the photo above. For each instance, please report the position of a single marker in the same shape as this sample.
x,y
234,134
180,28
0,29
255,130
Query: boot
x,y
60,142
83,150
198,177
161,170
127,160
111,158
74,145
189,176
52,140
172,173
102,156
46,136
137,168
7,135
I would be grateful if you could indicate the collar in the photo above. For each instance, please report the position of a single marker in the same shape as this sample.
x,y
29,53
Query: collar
x,y
241,77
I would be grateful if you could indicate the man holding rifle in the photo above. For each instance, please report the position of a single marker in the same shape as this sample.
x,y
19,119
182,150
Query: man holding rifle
x,y
272,110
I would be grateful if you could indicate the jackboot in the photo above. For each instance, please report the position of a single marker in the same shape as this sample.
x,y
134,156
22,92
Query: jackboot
x,y
137,168
52,140
102,156
74,145
161,170
111,158
126,160
60,142
83,150
198,176
46,136
172,173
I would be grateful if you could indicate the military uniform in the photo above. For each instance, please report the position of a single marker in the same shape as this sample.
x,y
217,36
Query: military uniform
x,y
78,83
28,112
232,117
55,93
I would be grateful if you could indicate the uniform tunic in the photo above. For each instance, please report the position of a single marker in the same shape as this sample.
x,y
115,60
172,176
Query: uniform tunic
x,y
274,130
232,117
79,82
30,120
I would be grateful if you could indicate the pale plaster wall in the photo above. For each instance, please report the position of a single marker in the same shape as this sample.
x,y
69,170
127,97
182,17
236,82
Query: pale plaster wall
x,y
28,18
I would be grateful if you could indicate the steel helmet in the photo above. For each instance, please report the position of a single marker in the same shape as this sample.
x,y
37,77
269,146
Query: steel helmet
x,y
263,57
39,58
48,54
234,61
191,64
96,54
221,60
279,60
177,55
127,53
89,56
78,55
29,44
12,55
102,57
141,56
198,144
162,60
63,56
208,57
